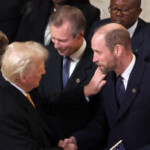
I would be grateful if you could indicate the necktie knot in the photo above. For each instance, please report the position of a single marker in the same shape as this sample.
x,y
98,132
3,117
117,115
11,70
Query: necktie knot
x,y
65,72
120,89
30,100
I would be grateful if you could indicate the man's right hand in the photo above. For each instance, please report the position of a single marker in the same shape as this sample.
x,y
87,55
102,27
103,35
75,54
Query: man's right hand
x,y
96,83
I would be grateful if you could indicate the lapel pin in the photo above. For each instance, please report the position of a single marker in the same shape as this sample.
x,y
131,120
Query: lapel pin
x,y
133,90
77,80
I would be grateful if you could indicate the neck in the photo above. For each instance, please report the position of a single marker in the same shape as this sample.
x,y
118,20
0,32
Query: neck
x,y
124,63
23,87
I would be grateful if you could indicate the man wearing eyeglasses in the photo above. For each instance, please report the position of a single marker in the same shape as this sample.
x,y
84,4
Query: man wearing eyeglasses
x,y
126,13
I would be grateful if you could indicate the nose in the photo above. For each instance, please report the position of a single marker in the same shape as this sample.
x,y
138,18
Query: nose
x,y
56,44
119,12
94,58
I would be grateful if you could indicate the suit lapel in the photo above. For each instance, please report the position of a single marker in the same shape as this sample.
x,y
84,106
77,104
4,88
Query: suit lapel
x,y
57,70
138,38
133,87
110,98
54,68
79,74
24,103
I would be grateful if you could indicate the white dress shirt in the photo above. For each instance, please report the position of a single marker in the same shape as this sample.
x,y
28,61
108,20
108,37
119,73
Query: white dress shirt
x,y
75,58
131,30
127,72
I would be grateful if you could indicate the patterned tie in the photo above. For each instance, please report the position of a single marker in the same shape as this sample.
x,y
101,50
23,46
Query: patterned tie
x,y
65,71
120,89
30,100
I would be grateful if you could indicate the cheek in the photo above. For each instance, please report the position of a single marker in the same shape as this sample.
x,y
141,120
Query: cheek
x,y
113,17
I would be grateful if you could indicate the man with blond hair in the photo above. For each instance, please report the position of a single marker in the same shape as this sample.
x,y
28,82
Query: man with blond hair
x,y
23,125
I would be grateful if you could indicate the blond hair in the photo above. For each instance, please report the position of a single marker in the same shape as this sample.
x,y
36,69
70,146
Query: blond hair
x,y
18,59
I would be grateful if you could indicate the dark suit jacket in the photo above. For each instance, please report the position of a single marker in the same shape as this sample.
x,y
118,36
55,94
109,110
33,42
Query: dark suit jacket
x,y
77,116
23,127
140,41
10,15
131,122
33,25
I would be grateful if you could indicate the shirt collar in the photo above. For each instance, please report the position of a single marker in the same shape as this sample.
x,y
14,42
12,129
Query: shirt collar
x,y
78,54
131,30
128,70
21,90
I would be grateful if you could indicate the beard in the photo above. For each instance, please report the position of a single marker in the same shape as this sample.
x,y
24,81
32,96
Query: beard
x,y
109,68
104,70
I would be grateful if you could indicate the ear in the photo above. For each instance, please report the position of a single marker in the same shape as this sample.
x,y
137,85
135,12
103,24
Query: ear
x,y
139,10
118,50
80,35
22,78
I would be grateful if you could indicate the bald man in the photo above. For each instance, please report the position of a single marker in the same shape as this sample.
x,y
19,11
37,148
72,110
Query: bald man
x,y
125,99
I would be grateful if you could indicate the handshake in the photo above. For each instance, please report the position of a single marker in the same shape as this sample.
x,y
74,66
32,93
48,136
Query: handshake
x,y
68,144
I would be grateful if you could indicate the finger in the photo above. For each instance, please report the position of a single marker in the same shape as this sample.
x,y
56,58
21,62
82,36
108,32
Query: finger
x,y
60,143
102,84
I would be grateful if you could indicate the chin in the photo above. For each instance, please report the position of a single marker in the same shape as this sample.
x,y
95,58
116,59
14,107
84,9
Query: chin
x,y
61,53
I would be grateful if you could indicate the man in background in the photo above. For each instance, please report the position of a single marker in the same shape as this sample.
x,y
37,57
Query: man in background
x,y
126,13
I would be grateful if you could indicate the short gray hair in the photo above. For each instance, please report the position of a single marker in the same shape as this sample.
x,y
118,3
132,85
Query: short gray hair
x,y
18,59
72,14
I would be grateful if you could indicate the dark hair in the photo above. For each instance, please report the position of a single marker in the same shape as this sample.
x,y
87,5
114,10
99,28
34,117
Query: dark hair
x,y
138,3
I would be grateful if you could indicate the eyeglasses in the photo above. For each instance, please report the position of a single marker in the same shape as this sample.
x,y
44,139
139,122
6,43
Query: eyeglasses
x,y
122,11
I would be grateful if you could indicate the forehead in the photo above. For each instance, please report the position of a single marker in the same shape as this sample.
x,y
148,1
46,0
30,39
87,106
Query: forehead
x,y
38,62
61,31
123,2
97,41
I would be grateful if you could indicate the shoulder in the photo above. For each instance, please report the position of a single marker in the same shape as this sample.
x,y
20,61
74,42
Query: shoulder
x,y
87,9
8,102
101,22
143,25
97,24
